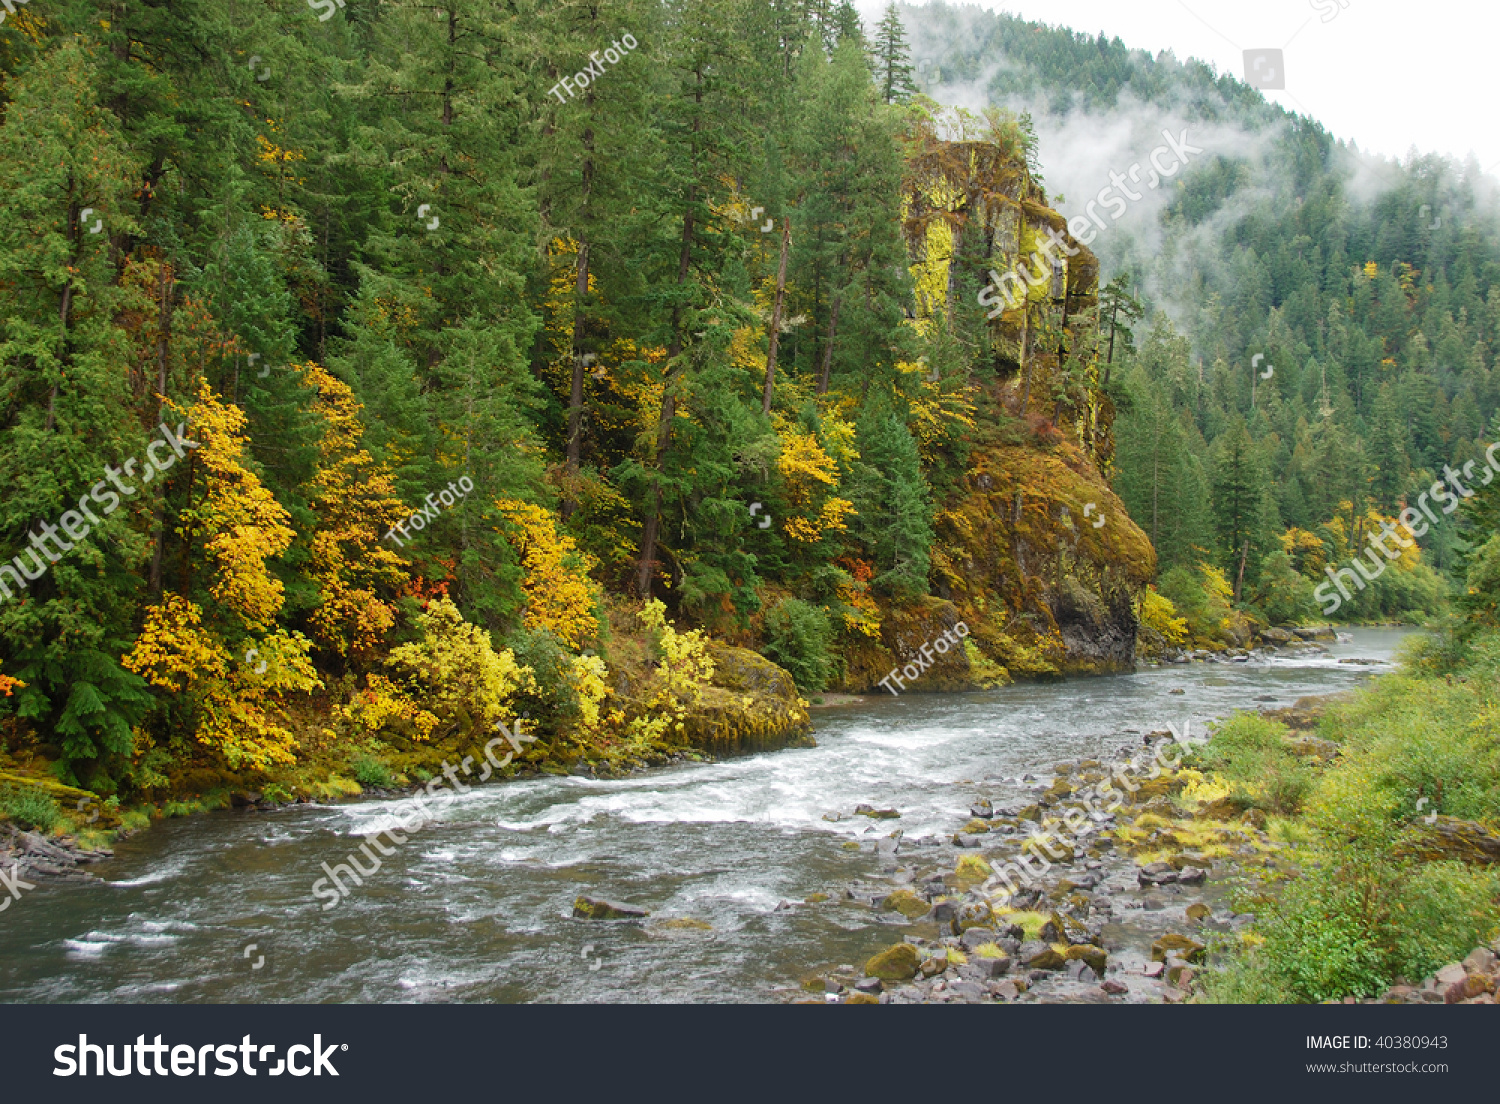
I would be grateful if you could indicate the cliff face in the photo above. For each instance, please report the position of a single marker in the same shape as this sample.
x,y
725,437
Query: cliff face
x,y
1034,553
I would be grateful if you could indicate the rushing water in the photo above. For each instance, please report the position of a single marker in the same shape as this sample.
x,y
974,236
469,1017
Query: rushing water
x,y
477,907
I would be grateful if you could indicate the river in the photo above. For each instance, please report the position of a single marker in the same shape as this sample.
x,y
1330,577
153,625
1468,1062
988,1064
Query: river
x,y
219,907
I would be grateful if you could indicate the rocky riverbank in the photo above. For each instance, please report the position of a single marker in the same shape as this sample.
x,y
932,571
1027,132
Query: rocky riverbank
x,y
25,855
1130,909
1125,915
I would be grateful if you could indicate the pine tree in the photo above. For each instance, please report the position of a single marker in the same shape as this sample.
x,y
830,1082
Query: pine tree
x,y
893,71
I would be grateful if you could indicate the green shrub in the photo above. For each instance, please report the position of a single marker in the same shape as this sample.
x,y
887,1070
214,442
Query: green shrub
x,y
29,807
1252,754
370,771
801,640
1443,911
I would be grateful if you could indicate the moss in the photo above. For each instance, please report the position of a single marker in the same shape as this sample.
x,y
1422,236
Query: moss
x,y
907,903
895,963
973,868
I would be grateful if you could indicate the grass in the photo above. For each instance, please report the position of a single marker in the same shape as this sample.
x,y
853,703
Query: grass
x,y
29,807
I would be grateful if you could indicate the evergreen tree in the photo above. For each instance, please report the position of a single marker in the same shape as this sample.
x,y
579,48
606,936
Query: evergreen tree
x,y
893,71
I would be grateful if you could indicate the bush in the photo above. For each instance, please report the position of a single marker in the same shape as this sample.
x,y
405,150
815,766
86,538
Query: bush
x,y
801,640
1317,948
29,807
1443,911
1252,755
370,771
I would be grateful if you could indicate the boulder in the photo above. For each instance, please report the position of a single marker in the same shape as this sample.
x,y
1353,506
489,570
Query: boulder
x,y
907,903
896,963
1474,985
596,908
975,914
1036,955
1183,947
1096,957
992,967
982,809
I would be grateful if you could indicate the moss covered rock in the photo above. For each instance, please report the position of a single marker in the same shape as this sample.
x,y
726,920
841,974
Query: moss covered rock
x,y
1183,947
596,908
907,903
1096,957
896,963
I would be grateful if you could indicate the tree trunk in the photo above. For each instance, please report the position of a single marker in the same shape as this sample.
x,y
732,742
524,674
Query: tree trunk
x,y
652,528
1239,581
833,321
775,337
163,345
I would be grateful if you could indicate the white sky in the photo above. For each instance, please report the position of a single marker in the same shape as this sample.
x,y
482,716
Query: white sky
x,y
1388,74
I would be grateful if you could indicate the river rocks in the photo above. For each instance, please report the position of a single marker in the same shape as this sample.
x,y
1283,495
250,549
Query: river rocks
x,y
30,854
596,908
1191,875
1036,955
1197,911
975,827
975,914
1096,957
1156,873
907,903
895,963
933,966
992,967
982,809
1182,946
878,814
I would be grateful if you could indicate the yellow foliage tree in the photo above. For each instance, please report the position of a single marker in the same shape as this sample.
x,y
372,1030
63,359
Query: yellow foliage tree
x,y
685,669
354,498
453,674
559,595
231,705
808,473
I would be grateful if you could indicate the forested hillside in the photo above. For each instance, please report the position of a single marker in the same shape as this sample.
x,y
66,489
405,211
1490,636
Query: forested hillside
x,y
382,372
1319,330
